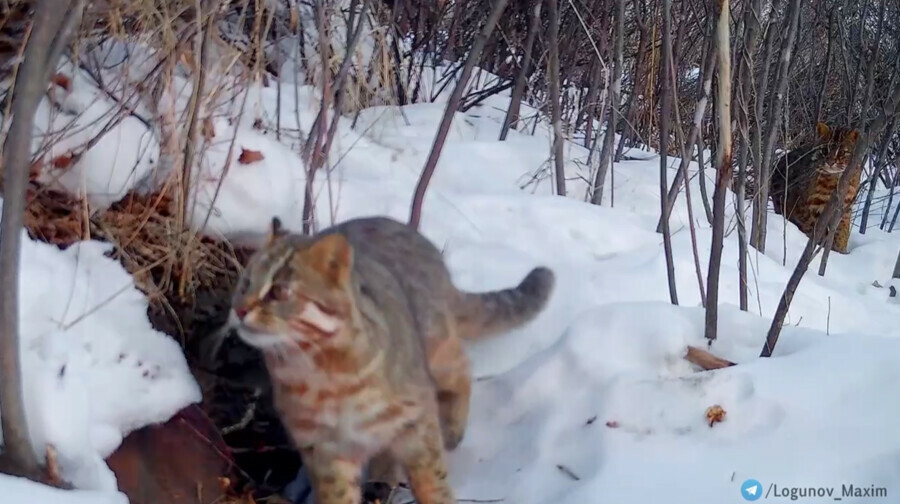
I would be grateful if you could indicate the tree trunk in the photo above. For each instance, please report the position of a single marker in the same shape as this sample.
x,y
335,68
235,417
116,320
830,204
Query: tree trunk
x,y
640,73
664,113
893,188
761,206
595,82
744,101
610,138
867,101
820,100
512,113
889,132
706,75
54,23
792,19
896,272
861,30
724,170
553,84
881,162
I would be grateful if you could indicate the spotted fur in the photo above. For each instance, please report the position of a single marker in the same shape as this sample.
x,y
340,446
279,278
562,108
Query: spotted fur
x,y
361,329
804,179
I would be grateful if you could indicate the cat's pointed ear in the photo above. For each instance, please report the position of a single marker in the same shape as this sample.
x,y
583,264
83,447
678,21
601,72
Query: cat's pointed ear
x,y
850,139
823,130
275,230
332,256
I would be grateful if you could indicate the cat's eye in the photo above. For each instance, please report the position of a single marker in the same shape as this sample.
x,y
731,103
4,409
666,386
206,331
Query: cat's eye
x,y
276,293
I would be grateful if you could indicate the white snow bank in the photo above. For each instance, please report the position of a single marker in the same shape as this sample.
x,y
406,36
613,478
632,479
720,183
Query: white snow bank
x,y
614,403
94,368
90,145
22,490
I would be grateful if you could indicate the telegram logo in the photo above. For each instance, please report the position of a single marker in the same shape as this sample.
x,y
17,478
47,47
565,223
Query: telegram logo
x,y
751,490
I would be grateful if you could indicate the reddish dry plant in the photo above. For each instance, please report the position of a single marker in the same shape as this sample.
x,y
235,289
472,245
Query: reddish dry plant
x,y
250,156
715,414
141,228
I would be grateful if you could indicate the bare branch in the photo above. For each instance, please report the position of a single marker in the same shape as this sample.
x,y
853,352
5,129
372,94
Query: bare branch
x,y
792,19
450,111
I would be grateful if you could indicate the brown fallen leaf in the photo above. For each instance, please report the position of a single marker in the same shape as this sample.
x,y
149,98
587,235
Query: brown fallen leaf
x,y
62,81
62,162
715,414
250,156
705,359
612,424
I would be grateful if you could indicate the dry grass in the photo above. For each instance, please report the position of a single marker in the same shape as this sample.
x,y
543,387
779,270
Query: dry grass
x,y
143,232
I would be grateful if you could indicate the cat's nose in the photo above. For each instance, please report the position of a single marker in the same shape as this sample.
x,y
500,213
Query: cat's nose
x,y
240,312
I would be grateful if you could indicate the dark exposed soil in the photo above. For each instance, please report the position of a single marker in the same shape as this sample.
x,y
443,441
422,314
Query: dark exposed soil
x,y
235,384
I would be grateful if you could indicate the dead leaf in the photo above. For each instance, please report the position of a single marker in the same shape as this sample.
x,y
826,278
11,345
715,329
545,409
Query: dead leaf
x,y
62,162
250,156
612,424
62,81
715,414
705,359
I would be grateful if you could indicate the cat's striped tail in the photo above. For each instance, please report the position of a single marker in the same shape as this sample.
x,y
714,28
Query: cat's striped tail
x,y
487,313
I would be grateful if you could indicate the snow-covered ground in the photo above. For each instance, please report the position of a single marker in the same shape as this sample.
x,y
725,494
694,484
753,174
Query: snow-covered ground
x,y
94,367
592,402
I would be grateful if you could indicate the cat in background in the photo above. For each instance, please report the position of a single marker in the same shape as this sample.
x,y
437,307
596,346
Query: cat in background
x,y
805,178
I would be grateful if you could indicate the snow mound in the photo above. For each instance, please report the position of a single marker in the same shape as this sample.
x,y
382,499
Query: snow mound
x,y
89,146
612,410
23,490
94,368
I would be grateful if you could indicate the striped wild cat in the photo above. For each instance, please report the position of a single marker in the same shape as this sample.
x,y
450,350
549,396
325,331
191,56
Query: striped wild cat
x,y
804,179
362,332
